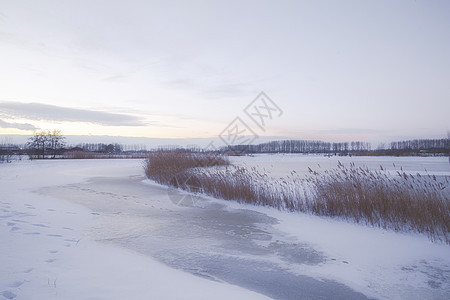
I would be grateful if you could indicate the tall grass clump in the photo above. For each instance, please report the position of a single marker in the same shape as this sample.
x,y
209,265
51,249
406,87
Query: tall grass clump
x,y
172,168
400,202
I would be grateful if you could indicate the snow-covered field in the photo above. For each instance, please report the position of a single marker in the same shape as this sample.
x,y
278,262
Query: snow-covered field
x,y
45,251
97,229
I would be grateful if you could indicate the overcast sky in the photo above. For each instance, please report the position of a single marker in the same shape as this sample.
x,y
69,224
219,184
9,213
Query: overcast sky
x,y
336,70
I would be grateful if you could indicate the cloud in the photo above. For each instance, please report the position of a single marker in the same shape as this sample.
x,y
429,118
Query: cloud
x,y
45,112
21,126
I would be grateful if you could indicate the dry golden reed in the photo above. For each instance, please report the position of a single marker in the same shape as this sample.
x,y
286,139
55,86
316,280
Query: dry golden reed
x,y
402,202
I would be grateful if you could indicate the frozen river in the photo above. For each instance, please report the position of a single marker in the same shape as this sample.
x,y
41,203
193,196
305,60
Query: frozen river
x,y
206,238
279,165
276,254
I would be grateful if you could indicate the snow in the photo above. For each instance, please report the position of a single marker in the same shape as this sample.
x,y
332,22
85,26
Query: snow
x,y
46,254
96,229
379,263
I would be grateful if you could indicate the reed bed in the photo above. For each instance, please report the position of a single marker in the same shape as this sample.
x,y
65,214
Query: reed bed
x,y
172,167
401,202
99,155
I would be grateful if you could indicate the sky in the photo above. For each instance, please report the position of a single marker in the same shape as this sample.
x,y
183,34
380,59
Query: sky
x,y
329,70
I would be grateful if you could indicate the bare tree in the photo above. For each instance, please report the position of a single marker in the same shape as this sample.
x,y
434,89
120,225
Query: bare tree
x,y
4,151
45,143
56,142
36,144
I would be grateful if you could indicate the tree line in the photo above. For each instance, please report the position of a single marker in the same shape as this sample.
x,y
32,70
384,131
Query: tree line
x,y
52,144
100,147
409,147
423,144
302,146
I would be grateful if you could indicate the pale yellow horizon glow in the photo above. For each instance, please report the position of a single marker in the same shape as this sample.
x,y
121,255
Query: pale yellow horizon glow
x,y
190,129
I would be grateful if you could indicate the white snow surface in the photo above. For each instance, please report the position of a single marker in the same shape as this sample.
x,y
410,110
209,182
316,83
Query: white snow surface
x,y
280,165
45,253
46,249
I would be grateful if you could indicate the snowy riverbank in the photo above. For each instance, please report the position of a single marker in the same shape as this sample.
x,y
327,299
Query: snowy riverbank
x,y
46,254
